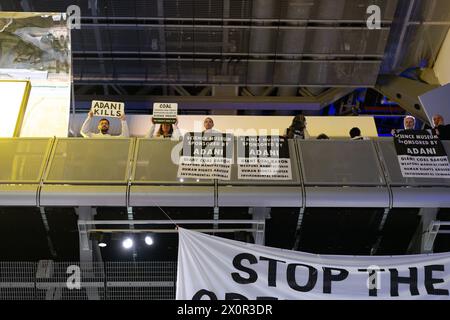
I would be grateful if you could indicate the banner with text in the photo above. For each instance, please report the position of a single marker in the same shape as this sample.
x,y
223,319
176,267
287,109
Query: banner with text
x,y
263,158
165,112
206,156
421,155
213,268
108,109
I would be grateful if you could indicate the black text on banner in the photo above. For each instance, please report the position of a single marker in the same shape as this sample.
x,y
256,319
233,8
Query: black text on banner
x,y
263,158
421,155
206,156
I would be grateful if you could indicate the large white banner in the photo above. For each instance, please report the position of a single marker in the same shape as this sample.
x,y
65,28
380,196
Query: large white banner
x,y
215,268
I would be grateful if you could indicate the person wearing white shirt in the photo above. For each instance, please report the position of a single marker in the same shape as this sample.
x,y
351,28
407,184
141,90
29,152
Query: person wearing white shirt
x,y
166,130
208,124
103,128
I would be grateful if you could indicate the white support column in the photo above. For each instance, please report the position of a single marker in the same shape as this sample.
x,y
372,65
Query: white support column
x,y
423,239
260,214
87,248
44,270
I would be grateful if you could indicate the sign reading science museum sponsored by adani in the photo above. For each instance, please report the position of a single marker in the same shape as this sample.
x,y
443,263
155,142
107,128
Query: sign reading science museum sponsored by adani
x,y
206,156
108,109
213,268
421,155
263,158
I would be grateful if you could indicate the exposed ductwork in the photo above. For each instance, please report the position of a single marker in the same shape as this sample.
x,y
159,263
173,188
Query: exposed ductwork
x,y
260,41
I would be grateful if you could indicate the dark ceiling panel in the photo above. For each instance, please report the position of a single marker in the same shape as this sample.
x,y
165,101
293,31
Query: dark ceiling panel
x,y
64,233
339,231
21,241
398,232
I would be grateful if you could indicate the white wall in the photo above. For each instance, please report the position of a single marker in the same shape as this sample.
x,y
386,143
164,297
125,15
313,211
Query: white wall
x,y
335,127
12,94
48,110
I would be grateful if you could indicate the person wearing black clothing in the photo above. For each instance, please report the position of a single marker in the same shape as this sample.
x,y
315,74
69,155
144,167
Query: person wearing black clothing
x,y
323,136
442,130
355,134
297,130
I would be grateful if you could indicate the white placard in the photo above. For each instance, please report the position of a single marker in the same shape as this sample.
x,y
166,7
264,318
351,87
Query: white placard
x,y
206,156
421,155
108,109
263,158
165,112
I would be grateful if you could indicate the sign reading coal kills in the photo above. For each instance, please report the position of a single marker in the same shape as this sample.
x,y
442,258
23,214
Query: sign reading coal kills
x,y
165,112
206,156
108,109
421,155
263,158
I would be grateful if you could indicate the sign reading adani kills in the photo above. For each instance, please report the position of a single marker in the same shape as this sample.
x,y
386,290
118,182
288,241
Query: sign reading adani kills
x,y
213,268
263,158
421,155
206,156
108,109
165,112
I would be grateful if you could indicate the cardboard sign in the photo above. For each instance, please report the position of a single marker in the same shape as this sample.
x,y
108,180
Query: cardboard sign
x,y
263,158
108,109
421,155
165,112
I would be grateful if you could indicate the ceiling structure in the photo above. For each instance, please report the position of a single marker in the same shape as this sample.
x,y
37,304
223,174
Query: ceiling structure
x,y
142,50
325,231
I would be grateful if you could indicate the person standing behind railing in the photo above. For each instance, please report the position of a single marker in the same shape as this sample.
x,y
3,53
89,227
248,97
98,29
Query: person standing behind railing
x,y
103,128
208,124
355,134
441,130
297,130
409,123
165,130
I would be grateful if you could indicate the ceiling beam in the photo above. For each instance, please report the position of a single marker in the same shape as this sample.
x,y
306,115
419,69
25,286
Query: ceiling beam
x,y
232,102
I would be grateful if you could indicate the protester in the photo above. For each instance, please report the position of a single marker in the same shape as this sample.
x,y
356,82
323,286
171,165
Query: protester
x,y
409,123
297,130
165,131
103,128
208,124
355,134
440,129
323,136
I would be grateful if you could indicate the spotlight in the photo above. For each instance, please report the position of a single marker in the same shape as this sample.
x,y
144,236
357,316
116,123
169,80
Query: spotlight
x,y
181,180
127,243
100,238
148,240
198,180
